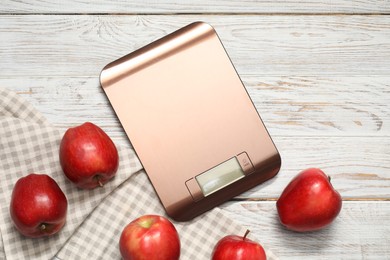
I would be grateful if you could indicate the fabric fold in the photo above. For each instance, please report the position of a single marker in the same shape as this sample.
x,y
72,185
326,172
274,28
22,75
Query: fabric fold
x,y
29,144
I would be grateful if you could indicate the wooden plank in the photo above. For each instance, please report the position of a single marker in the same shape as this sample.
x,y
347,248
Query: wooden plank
x,y
289,106
293,45
186,6
361,231
358,162
353,106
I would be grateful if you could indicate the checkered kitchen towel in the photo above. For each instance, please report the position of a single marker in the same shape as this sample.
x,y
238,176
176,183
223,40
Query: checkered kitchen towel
x,y
28,143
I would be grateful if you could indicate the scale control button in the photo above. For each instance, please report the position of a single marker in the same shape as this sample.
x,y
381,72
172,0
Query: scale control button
x,y
245,163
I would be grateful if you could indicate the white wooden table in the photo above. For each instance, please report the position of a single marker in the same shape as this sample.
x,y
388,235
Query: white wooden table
x,y
318,72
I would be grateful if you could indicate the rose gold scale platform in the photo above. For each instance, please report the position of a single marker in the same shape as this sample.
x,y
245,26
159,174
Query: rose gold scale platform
x,y
190,120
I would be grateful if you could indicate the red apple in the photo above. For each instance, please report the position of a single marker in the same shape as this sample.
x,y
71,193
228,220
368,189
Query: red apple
x,y
38,206
88,156
309,202
150,237
234,247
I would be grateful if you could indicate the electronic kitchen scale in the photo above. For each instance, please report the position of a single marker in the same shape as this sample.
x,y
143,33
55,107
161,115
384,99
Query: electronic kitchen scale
x,y
190,121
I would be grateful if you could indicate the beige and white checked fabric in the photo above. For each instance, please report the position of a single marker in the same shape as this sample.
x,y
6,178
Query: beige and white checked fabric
x,y
28,143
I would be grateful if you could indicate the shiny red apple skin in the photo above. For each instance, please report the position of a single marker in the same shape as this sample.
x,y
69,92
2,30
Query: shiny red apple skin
x,y
38,206
235,247
88,156
309,202
150,237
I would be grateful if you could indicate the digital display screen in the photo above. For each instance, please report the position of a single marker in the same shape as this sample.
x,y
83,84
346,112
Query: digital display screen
x,y
220,176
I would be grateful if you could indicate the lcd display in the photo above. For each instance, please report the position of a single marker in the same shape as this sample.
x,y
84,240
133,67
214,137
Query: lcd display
x,y
220,176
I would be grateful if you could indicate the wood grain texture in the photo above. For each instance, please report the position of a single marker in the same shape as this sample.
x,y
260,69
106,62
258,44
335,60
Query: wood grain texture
x,y
67,45
187,6
361,231
289,106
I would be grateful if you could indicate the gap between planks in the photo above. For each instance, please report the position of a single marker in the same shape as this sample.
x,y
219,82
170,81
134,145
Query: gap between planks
x,y
205,14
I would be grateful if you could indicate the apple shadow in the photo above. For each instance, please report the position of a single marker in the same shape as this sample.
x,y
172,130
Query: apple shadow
x,y
305,241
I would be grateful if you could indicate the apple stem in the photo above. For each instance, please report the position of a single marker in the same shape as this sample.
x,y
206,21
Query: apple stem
x,y
329,178
97,177
246,233
42,227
